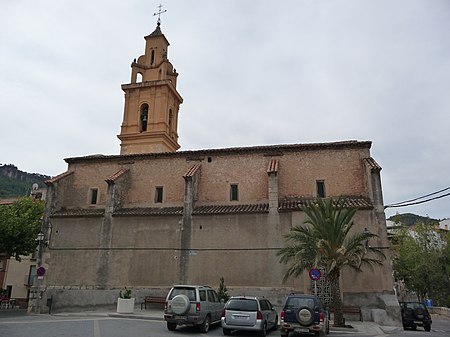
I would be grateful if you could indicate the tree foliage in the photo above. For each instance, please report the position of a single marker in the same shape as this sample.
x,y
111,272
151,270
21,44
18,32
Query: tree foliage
x,y
223,291
422,262
19,225
325,241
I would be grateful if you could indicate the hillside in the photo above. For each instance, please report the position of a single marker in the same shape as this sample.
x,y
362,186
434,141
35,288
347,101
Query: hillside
x,y
410,219
16,183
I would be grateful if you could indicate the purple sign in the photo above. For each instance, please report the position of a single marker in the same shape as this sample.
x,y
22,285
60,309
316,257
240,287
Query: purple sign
x,y
315,274
40,271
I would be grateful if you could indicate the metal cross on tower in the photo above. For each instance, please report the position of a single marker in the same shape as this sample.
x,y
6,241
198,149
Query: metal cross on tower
x,y
159,13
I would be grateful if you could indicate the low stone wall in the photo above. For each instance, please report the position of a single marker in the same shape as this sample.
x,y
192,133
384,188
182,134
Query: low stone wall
x,y
440,311
381,308
76,299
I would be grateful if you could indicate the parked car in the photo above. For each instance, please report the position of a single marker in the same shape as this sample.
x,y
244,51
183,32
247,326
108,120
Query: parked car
x,y
304,314
192,305
249,313
415,314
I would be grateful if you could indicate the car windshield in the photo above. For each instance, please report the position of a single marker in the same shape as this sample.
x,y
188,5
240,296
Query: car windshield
x,y
189,292
242,305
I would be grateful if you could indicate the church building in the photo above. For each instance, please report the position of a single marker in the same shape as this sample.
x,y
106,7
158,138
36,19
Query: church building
x,y
152,216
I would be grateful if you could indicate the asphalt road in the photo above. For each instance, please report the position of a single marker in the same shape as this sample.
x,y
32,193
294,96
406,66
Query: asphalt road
x,y
56,326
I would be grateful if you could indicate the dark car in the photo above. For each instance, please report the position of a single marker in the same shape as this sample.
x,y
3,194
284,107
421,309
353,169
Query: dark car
x,y
304,314
415,314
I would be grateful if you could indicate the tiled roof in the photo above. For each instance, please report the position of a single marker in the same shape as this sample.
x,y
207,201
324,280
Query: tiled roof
x,y
78,212
148,211
191,172
235,150
273,166
297,202
292,203
58,177
372,164
231,209
112,178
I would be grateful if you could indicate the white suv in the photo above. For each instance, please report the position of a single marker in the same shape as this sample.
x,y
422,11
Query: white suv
x,y
249,313
192,305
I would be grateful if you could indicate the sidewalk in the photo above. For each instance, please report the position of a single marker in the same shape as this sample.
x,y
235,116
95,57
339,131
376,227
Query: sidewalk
x,y
370,328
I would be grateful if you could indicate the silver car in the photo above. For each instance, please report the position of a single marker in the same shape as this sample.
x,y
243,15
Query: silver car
x,y
248,313
192,305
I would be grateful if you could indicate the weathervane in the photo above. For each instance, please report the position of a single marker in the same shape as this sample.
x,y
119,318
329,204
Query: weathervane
x,y
159,14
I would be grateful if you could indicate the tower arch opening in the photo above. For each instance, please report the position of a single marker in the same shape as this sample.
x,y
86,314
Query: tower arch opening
x,y
143,117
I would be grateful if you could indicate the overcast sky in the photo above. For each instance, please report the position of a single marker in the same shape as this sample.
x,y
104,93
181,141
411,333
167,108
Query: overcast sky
x,y
251,73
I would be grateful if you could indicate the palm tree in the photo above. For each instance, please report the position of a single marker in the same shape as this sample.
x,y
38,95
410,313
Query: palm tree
x,y
326,242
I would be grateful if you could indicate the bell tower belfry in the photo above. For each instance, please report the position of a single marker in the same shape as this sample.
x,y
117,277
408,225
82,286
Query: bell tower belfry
x,y
150,119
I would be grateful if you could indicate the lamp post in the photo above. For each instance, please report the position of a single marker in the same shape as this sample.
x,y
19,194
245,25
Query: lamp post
x,y
40,242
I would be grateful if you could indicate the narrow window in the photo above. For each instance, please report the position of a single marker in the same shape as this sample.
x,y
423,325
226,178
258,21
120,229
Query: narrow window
x,y
153,58
159,194
94,195
234,195
31,275
138,78
170,120
320,188
144,117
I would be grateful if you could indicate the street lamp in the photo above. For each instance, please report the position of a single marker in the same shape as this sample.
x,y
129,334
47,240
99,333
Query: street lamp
x,y
366,233
40,241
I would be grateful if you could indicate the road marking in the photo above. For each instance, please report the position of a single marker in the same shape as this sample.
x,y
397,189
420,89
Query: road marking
x,y
96,329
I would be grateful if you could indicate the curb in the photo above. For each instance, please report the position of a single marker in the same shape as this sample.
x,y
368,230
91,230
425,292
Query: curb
x,y
134,316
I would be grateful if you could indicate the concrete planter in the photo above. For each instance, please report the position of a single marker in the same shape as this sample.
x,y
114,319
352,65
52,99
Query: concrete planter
x,y
125,305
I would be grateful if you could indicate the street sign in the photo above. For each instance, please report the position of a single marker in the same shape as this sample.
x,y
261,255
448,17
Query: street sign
x,y
40,271
315,274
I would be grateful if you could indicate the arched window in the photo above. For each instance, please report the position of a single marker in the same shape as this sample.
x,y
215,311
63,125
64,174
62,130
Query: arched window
x,y
138,78
143,117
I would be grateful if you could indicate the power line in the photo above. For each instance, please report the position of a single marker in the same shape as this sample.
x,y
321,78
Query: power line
x,y
406,203
423,196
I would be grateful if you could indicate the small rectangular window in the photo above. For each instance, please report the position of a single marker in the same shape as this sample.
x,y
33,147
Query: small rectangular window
x,y
94,195
320,188
234,193
159,194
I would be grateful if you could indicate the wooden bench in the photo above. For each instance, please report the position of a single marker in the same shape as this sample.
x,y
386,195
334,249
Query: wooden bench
x,y
152,300
346,309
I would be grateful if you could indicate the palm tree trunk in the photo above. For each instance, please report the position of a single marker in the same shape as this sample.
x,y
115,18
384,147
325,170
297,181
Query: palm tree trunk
x,y
336,301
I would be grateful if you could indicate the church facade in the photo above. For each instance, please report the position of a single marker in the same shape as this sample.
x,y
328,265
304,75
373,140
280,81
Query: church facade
x,y
153,216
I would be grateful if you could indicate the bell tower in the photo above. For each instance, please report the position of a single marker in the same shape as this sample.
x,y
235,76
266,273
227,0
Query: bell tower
x,y
150,118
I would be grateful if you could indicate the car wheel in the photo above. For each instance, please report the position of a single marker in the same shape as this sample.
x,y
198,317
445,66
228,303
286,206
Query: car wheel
x,y
226,332
180,304
204,327
171,326
263,331
427,327
419,313
305,316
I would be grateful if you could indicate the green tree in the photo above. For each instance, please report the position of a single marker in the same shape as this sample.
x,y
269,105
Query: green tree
x,y
422,263
19,225
325,241
223,291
